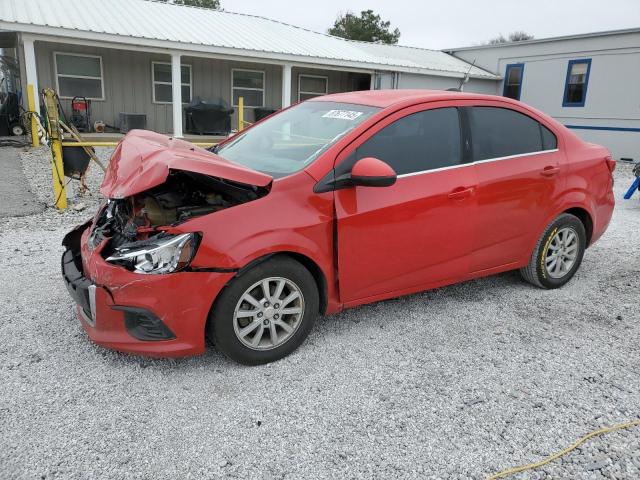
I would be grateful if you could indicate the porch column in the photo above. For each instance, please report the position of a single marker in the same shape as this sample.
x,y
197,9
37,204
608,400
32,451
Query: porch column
x,y
30,68
286,86
176,97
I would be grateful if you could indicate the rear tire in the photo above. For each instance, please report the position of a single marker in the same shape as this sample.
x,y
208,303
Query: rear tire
x,y
558,253
253,328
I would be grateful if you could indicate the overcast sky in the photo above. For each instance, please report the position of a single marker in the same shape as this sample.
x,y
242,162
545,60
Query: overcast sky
x,y
454,23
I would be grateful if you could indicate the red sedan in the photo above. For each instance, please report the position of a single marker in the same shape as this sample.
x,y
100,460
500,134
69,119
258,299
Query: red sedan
x,y
339,201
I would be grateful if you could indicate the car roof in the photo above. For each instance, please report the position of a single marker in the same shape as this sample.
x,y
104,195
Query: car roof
x,y
388,98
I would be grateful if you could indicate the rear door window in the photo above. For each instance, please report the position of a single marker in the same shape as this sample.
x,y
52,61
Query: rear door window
x,y
418,142
501,132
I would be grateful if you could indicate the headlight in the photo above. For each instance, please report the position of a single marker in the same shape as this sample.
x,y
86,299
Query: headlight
x,y
160,254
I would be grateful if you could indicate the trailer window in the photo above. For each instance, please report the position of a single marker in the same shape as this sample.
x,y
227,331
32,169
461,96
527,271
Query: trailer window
x,y
575,89
513,81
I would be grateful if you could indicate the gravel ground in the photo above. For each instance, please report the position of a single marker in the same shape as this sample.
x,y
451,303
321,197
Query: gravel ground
x,y
16,199
453,383
36,167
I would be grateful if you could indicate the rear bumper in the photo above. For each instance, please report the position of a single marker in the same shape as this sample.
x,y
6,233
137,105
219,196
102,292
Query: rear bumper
x,y
603,215
152,315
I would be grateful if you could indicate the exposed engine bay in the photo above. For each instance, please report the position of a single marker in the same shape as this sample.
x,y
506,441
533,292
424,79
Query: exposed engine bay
x,y
184,195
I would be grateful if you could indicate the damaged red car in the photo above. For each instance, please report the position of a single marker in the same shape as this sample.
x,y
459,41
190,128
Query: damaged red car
x,y
338,201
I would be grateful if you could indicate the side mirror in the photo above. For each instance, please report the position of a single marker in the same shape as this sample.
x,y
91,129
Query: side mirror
x,y
371,172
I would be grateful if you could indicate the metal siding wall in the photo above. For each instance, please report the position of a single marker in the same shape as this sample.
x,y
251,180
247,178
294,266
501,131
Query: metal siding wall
x,y
488,87
613,98
386,81
212,78
127,83
412,80
431,82
128,87
611,101
488,57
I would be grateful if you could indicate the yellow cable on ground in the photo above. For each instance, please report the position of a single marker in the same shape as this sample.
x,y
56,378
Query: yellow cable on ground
x,y
555,456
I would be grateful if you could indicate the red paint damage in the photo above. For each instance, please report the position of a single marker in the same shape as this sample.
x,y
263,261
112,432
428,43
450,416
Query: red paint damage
x,y
362,244
143,160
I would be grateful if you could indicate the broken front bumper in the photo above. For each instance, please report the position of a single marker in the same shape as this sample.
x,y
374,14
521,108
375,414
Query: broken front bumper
x,y
154,315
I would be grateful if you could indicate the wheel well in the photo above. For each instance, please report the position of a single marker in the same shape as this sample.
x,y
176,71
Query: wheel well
x,y
317,274
585,218
314,269
309,264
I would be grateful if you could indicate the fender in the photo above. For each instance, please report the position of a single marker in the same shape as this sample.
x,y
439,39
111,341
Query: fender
x,y
572,199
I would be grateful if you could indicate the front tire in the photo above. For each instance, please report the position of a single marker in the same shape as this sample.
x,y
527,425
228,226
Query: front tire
x,y
558,253
265,313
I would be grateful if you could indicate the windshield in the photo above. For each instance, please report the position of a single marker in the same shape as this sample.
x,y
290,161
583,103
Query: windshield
x,y
292,139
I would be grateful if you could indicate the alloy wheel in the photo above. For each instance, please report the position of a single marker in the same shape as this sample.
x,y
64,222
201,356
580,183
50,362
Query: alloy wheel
x,y
562,252
268,313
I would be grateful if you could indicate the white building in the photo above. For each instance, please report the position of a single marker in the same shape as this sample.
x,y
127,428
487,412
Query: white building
x,y
590,82
152,58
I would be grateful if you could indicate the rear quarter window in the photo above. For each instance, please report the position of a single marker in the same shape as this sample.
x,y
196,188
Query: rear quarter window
x,y
549,141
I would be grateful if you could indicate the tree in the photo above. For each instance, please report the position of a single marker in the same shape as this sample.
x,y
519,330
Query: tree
x,y
496,40
368,27
517,36
213,4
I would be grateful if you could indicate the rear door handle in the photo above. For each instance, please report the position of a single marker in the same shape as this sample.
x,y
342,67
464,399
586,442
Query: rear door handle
x,y
550,171
461,193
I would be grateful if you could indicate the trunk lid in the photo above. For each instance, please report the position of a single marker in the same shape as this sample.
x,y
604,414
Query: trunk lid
x,y
143,160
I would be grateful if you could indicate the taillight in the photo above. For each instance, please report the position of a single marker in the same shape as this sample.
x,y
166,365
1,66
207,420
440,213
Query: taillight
x,y
611,163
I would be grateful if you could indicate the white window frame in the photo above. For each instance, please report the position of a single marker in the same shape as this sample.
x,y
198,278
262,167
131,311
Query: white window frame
x,y
324,77
154,82
57,75
263,89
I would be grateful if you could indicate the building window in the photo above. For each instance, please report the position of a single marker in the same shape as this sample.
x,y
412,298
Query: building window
x,y
161,79
248,84
513,81
310,86
575,88
79,75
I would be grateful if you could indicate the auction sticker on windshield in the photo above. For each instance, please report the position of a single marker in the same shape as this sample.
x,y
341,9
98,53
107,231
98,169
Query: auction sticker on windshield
x,y
342,114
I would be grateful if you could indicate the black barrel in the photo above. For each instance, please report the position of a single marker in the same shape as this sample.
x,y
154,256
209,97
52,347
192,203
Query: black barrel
x,y
75,161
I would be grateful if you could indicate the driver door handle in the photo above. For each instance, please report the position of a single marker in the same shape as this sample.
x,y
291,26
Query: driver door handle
x,y
461,193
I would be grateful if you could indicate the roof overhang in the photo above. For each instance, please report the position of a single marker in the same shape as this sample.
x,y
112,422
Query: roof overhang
x,y
106,40
579,36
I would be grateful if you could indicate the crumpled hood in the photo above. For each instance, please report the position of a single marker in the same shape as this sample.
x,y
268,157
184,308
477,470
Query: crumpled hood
x,y
143,159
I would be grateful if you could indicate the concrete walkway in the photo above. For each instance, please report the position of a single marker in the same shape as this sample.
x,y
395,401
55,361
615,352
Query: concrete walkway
x,y
16,200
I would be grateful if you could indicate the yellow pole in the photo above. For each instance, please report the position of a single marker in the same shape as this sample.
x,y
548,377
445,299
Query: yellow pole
x,y
240,113
57,169
31,100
